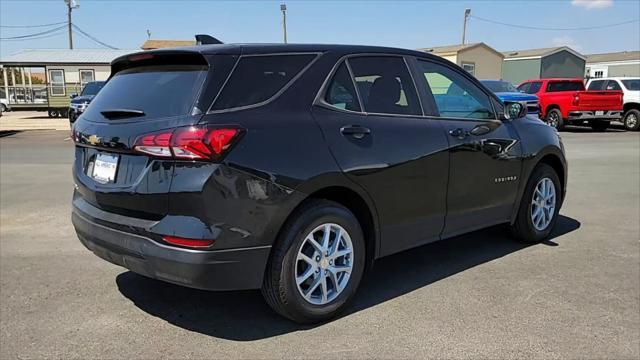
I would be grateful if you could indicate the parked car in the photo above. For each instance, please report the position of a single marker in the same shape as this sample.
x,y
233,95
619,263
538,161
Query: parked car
x,y
4,104
631,89
80,102
292,168
507,92
565,101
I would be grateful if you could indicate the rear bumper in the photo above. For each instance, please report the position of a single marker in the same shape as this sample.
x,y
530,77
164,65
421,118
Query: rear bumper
x,y
228,269
591,115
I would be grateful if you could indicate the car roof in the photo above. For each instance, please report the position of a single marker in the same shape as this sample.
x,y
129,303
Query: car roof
x,y
554,79
247,49
616,78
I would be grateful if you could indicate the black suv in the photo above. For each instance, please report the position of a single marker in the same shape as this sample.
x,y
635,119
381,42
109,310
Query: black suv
x,y
291,168
80,102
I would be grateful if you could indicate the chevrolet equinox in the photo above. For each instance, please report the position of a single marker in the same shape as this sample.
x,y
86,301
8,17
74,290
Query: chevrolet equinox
x,y
292,168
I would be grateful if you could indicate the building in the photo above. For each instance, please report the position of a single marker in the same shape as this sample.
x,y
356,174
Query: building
x,y
561,61
624,63
161,44
481,60
45,78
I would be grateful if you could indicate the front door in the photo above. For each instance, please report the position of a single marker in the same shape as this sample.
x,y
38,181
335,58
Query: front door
x,y
373,122
485,153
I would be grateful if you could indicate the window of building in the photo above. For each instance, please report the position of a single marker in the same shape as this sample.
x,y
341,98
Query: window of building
x,y
86,76
455,95
470,68
56,81
385,85
598,74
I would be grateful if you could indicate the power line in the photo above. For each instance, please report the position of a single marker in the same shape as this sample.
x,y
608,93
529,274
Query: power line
x,y
34,34
32,26
555,29
82,32
56,33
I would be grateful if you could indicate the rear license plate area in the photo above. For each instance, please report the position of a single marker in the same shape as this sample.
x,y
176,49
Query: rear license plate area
x,y
599,113
105,168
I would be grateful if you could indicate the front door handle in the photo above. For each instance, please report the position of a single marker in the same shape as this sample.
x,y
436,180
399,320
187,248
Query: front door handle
x,y
356,131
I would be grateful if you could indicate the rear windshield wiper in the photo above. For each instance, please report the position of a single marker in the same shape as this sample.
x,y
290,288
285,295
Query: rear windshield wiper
x,y
121,113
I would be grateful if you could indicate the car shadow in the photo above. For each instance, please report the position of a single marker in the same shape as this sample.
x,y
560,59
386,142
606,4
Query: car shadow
x,y
244,315
615,128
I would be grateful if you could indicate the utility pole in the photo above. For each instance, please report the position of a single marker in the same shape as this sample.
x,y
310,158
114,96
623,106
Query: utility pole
x,y
467,12
71,4
283,8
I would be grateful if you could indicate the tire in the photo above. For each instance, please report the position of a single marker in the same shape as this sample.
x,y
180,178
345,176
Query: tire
x,y
523,227
4,108
53,113
280,288
554,119
631,120
600,125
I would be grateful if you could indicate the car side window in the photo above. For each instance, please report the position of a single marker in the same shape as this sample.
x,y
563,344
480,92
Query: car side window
x,y
524,87
454,94
613,85
535,87
385,85
341,92
596,85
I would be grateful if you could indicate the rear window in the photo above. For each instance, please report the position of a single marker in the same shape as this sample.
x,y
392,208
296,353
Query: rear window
x,y
633,84
258,78
596,85
158,91
558,86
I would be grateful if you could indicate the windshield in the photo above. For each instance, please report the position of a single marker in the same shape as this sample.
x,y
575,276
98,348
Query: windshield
x,y
92,88
499,86
632,84
157,91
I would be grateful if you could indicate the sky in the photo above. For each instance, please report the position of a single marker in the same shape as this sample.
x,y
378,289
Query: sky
x,y
405,24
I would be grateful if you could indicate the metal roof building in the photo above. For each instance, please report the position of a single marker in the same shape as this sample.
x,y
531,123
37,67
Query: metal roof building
x,y
624,63
560,61
479,59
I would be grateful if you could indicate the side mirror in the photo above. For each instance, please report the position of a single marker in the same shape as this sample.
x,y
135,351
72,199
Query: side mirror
x,y
514,110
73,96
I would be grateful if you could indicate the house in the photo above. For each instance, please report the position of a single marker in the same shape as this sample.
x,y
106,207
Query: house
x,y
560,61
45,78
161,44
624,63
481,60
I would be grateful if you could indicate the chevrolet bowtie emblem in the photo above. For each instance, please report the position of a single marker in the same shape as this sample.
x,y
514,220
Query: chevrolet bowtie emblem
x,y
94,139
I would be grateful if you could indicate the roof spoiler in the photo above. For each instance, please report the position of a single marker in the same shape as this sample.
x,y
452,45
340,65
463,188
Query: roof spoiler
x,y
203,39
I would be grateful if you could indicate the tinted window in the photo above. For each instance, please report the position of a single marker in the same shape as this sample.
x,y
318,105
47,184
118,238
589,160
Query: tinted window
x,y
613,85
633,85
385,85
499,86
534,88
557,86
455,95
524,87
258,78
596,85
341,92
92,88
157,90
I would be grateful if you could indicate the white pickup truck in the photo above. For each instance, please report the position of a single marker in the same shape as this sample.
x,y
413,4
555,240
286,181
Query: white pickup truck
x,y
630,86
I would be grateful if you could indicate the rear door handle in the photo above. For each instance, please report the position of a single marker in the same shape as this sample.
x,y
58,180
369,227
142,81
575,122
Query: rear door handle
x,y
356,131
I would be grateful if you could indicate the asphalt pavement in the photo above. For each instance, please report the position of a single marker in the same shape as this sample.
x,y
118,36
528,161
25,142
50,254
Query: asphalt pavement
x,y
481,295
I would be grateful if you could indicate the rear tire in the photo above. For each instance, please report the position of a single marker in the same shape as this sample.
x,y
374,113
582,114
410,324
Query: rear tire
x,y
631,120
294,258
600,125
554,119
528,226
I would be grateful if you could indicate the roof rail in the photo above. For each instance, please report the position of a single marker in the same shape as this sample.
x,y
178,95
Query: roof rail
x,y
203,39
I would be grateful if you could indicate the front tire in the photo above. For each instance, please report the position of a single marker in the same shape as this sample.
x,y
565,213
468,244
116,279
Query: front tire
x,y
554,119
631,120
316,264
539,206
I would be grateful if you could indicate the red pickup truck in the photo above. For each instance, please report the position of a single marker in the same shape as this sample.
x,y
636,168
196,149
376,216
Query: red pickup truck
x,y
565,101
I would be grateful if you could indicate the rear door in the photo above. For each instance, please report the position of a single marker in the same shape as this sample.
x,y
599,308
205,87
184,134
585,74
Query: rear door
x,y
485,153
372,119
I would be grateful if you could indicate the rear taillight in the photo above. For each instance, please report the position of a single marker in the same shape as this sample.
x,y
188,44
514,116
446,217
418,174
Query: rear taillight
x,y
576,99
193,142
192,243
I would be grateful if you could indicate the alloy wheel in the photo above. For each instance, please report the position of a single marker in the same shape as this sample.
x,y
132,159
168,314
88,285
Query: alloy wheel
x,y
543,204
553,120
631,121
324,264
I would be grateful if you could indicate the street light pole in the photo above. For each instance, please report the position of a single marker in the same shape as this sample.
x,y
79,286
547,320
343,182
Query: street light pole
x,y
467,12
283,8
